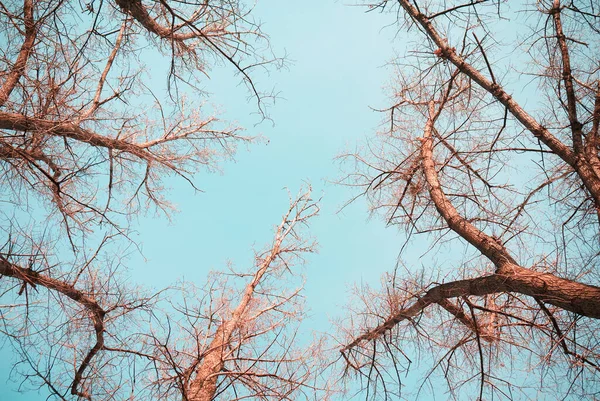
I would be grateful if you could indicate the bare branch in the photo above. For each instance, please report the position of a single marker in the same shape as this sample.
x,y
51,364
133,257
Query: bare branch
x,y
26,49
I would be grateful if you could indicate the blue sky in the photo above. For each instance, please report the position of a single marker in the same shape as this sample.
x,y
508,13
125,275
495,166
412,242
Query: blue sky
x,y
336,73
337,55
334,76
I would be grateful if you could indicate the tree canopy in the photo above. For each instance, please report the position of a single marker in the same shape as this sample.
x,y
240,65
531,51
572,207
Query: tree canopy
x,y
511,185
487,158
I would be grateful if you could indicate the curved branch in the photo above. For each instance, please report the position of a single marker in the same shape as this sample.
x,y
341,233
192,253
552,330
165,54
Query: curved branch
x,y
477,286
487,245
26,49
97,313
569,295
567,77
136,9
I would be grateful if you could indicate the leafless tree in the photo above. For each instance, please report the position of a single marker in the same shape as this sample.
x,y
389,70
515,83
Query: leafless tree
x,y
86,335
72,107
504,183
242,343
86,144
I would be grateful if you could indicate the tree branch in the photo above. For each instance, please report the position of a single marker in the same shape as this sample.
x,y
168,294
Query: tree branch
x,y
97,313
583,169
462,317
487,245
19,122
136,9
567,76
203,386
19,67
109,62
569,295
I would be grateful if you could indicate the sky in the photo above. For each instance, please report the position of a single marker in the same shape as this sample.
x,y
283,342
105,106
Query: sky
x,y
336,74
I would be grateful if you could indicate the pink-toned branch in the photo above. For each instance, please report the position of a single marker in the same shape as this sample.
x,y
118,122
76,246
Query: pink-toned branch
x,y
446,51
96,312
19,67
65,129
576,297
487,245
202,385
567,76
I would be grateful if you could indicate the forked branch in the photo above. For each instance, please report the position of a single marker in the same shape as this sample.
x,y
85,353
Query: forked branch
x,y
569,295
96,312
447,52
28,43
203,383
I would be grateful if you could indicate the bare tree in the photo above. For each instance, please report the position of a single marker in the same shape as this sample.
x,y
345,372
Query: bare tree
x,y
243,344
86,144
513,192
222,341
71,104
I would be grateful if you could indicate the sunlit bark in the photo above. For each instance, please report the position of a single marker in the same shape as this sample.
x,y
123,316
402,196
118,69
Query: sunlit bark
x,y
442,170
